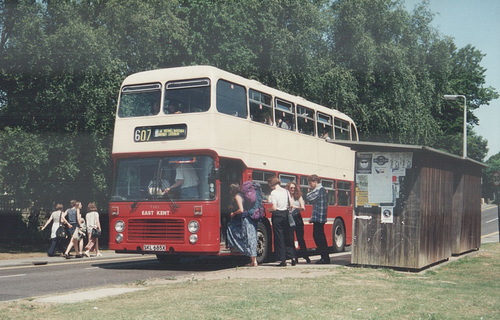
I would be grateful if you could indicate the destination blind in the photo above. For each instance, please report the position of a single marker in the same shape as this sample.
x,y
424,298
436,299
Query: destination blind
x,y
159,133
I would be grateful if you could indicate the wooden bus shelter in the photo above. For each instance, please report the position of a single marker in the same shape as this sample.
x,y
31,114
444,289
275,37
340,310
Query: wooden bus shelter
x,y
415,206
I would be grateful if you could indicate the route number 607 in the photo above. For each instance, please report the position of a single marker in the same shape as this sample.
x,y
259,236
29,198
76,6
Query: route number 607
x,y
142,134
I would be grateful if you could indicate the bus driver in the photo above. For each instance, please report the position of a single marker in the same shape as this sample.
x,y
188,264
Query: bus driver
x,y
186,179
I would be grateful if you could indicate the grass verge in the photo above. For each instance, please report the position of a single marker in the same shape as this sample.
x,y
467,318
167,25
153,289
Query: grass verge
x,y
465,289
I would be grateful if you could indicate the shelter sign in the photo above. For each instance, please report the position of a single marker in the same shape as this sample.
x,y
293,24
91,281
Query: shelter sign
x,y
378,178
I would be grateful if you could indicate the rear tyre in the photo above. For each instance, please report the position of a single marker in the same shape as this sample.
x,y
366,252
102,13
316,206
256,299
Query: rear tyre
x,y
262,243
338,236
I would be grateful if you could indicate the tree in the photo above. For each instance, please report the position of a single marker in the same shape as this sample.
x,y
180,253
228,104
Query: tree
x,y
403,67
466,77
489,189
63,96
372,38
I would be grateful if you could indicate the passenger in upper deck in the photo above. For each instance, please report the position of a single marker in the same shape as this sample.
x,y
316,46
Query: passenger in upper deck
x,y
155,109
267,119
282,124
173,107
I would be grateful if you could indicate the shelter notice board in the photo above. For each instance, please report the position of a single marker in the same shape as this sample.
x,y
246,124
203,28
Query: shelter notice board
x,y
379,176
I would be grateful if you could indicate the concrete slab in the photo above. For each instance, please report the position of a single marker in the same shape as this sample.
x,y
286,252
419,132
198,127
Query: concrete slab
x,y
86,295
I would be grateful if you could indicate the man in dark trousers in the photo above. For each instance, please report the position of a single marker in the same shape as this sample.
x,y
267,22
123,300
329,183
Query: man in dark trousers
x,y
319,199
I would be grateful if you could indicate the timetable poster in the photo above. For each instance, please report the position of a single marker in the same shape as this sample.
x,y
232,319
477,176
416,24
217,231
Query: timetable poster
x,y
377,177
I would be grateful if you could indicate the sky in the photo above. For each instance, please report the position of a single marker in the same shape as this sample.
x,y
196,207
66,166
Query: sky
x,y
474,22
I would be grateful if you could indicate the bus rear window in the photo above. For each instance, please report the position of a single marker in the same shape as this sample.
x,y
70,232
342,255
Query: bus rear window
x,y
341,129
140,100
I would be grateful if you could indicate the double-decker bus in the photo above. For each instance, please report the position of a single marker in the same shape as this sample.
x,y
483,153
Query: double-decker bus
x,y
223,129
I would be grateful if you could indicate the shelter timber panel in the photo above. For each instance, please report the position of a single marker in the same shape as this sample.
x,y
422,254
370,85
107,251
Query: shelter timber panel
x,y
466,231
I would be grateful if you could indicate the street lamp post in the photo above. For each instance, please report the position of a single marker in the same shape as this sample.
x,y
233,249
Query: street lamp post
x,y
455,97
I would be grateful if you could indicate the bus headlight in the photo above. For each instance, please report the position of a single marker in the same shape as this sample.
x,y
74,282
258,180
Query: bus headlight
x,y
193,238
193,226
119,238
119,226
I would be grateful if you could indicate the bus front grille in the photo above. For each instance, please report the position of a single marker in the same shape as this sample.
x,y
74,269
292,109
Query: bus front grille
x,y
154,229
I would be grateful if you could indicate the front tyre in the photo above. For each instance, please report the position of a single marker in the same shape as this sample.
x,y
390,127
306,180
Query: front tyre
x,y
338,236
262,243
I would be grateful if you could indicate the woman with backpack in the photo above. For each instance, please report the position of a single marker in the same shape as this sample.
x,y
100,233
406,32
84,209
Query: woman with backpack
x,y
242,230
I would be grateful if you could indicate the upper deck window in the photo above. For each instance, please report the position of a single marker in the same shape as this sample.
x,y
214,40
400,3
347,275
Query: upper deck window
x,y
341,129
305,120
140,100
260,107
231,99
324,126
285,115
187,96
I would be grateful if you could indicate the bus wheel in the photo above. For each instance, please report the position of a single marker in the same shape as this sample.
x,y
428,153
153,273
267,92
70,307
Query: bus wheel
x,y
262,243
167,259
338,236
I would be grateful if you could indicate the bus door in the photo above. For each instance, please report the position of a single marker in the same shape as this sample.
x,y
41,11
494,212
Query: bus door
x,y
230,171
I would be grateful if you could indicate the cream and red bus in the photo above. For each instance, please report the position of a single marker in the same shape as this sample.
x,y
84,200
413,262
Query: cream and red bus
x,y
226,129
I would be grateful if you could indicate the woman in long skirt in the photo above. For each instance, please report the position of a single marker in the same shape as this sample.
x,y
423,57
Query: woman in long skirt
x,y
242,230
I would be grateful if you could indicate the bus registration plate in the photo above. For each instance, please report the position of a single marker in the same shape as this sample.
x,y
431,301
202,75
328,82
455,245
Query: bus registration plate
x,y
154,247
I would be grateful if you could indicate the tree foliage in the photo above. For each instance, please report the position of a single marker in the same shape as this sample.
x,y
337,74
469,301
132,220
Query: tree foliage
x,y
489,189
61,64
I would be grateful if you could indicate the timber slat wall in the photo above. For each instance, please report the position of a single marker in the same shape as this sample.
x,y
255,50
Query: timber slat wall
x,y
466,231
435,184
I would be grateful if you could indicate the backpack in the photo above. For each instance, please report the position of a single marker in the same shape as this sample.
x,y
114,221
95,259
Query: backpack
x,y
252,196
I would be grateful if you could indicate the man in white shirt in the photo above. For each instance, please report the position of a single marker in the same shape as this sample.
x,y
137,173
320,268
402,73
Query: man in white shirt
x,y
187,180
